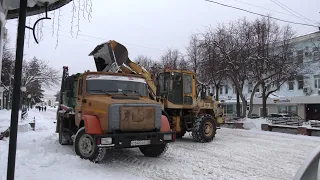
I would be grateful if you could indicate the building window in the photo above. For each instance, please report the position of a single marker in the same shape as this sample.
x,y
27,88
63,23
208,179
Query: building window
x,y
300,82
288,109
227,89
290,57
291,85
221,89
234,90
250,87
317,81
258,89
316,54
261,112
300,56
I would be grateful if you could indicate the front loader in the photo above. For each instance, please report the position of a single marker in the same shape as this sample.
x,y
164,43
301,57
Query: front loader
x,y
183,98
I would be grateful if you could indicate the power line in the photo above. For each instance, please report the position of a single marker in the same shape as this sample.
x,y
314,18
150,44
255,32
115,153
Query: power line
x,y
100,38
263,14
262,7
286,8
290,10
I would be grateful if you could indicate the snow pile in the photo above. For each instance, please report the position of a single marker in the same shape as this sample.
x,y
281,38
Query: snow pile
x,y
253,124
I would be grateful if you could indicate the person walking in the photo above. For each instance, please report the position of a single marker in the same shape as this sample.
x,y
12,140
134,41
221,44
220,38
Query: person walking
x,y
45,108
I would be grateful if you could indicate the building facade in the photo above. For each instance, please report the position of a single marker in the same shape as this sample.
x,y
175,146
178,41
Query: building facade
x,y
300,95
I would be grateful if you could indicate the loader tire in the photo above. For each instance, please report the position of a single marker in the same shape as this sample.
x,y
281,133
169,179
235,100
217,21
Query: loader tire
x,y
85,146
153,150
204,129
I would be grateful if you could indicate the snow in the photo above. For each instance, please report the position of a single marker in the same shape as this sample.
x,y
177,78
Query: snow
x,y
234,154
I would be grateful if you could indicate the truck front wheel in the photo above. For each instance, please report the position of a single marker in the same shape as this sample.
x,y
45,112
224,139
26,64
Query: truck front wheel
x,y
86,147
154,150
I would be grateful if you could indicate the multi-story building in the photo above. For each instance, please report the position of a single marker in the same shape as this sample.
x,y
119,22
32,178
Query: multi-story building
x,y
300,95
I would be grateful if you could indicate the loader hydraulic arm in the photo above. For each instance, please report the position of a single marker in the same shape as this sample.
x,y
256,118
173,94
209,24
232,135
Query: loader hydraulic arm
x,y
132,67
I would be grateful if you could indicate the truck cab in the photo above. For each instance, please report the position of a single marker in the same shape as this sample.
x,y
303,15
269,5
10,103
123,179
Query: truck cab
x,y
100,110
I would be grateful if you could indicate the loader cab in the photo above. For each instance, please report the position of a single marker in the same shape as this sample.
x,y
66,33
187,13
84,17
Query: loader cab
x,y
177,87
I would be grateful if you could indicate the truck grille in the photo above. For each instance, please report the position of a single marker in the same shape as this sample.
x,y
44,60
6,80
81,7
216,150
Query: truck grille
x,y
134,118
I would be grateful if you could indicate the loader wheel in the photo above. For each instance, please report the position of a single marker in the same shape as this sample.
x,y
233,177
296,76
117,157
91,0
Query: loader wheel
x,y
63,138
86,147
153,150
204,129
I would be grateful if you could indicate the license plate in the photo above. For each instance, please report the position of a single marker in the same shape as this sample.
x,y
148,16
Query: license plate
x,y
140,142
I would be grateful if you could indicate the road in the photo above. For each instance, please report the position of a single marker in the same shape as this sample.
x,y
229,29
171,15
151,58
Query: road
x,y
234,154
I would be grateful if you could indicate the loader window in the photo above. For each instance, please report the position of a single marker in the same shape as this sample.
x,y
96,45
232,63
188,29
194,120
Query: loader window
x,y
187,84
176,92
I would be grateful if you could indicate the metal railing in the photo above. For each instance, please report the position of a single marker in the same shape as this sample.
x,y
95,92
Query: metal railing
x,y
290,121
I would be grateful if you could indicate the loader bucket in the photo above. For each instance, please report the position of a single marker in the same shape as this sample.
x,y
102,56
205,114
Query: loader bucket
x,y
109,56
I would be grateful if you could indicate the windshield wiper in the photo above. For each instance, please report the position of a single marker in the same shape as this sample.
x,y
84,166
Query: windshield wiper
x,y
100,90
129,90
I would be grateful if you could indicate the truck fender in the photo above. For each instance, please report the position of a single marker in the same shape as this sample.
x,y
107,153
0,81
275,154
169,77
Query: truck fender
x,y
91,124
165,126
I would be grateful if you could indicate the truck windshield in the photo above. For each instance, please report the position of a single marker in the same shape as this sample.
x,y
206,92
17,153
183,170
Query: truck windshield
x,y
107,84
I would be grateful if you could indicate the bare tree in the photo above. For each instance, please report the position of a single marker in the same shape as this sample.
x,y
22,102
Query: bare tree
x,y
270,64
170,59
194,53
40,71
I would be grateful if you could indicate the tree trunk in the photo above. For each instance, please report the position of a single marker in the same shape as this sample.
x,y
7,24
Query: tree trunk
x,y
251,99
238,104
264,103
217,92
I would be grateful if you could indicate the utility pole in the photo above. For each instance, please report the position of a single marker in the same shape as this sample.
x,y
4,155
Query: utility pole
x,y
16,91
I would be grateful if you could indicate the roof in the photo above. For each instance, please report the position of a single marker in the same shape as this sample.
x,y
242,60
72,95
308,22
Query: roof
x,y
34,7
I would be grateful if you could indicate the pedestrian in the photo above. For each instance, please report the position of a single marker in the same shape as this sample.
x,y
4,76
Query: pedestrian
x,y
39,108
45,108
42,108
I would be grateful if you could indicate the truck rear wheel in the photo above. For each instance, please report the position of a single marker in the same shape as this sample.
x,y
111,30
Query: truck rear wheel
x,y
64,139
86,147
154,150
204,129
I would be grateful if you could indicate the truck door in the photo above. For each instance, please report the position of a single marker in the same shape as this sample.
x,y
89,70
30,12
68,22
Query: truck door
x,y
79,97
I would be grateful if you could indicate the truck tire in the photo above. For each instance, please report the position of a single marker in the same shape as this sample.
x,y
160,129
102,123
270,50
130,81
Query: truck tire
x,y
85,146
180,134
64,138
154,150
204,129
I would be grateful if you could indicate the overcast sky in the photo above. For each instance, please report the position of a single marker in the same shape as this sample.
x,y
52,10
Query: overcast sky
x,y
145,27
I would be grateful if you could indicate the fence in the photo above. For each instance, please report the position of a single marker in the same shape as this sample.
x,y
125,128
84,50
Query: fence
x,y
286,121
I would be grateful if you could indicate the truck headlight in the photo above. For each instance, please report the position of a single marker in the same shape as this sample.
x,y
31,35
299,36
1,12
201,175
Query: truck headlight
x,y
107,140
167,137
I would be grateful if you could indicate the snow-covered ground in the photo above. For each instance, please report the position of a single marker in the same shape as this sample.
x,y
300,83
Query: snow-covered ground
x,y
234,154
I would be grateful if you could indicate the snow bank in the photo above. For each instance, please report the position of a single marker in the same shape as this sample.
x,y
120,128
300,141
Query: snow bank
x,y
253,124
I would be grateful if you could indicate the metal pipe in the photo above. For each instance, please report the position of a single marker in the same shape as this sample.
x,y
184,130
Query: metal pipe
x,y
16,91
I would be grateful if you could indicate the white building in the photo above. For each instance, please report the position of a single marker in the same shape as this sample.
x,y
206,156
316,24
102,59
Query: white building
x,y
301,95
49,100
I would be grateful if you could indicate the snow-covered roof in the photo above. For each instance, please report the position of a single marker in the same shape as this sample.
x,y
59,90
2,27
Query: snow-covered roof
x,y
34,7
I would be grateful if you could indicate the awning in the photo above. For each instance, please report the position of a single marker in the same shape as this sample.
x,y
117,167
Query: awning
x,y
34,7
